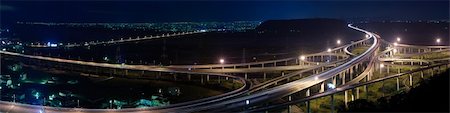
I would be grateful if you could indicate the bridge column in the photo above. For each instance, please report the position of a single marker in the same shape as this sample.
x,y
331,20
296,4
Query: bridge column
x,y
126,72
322,87
398,85
189,77
265,76
410,80
245,75
343,78
201,79
366,88
308,107
357,92
421,74
290,106
346,98
387,69
207,78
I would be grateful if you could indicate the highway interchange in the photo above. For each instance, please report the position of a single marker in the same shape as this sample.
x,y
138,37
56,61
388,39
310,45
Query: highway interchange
x,y
253,95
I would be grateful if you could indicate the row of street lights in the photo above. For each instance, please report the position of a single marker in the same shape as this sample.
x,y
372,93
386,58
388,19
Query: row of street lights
x,y
438,40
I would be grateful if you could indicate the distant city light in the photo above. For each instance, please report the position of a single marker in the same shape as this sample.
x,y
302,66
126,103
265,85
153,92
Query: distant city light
x,y
53,45
302,57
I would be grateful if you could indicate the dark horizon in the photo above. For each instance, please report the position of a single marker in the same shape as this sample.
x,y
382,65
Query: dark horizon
x,y
218,11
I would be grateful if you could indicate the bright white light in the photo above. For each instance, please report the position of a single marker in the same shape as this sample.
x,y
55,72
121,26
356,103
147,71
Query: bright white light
x,y
395,43
398,39
438,40
302,57
331,86
316,78
395,50
247,102
367,36
53,45
328,50
338,41
381,65
222,61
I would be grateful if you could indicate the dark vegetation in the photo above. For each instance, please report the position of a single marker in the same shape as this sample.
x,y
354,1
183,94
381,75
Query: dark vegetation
x,y
430,96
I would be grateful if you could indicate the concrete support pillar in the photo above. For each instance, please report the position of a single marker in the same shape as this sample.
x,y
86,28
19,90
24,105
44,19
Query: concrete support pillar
x,y
189,77
265,75
357,92
398,85
421,74
343,78
346,98
322,87
126,72
207,78
289,107
202,81
308,107
410,80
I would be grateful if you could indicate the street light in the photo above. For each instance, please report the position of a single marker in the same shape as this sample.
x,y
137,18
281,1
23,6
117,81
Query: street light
x,y
328,50
395,43
302,57
338,42
398,39
222,61
438,40
367,36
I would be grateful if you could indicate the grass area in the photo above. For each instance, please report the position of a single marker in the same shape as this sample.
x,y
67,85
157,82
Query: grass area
x,y
359,50
429,56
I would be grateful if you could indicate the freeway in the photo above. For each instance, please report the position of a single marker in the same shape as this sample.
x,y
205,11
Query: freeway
x,y
346,87
240,98
112,41
285,89
227,101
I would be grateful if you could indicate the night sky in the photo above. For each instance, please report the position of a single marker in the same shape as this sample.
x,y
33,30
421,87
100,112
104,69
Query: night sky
x,y
170,11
